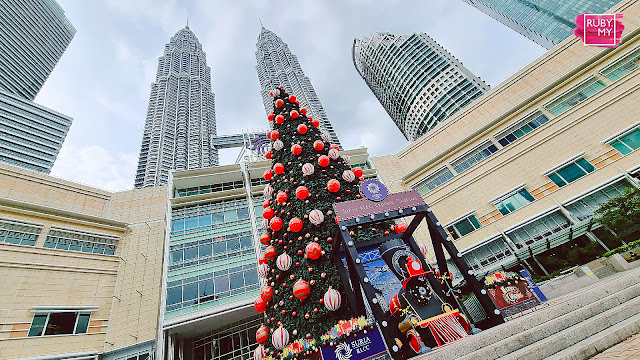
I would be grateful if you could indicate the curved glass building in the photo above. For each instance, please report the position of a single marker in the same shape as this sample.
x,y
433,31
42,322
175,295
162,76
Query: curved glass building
x,y
181,115
277,66
416,80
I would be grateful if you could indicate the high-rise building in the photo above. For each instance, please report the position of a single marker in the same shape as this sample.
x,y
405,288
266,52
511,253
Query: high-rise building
x,y
277,66
181,115
545,22
35,34
417,81
31,135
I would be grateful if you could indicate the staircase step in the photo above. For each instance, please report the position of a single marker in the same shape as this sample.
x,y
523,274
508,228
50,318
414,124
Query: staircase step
x,y
601,341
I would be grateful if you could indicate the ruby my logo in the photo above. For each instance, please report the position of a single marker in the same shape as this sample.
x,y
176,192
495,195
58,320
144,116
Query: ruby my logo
x,y
604,30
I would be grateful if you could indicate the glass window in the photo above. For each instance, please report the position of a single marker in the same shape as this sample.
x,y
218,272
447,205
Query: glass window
x,y
206,288
513,202
37,324
205,250
174,295
221,284
575,96
190,253
61,323
464,226
177,225
190,292
521,128
233,245
246,242
83,323
627,143
204,220
474,156
230,215
219,247
191,222
624,66
236,280
243,213
434,180
218,218
571,172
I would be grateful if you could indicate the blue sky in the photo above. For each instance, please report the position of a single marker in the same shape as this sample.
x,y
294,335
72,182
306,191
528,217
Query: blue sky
x,y
103,79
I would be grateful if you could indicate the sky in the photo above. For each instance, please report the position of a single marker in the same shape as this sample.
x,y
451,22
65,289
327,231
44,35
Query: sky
x,y
103,79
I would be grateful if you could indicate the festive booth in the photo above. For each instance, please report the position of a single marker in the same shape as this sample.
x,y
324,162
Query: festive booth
x,y
510,292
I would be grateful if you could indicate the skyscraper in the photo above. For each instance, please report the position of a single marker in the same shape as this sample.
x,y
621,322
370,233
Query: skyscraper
x,y
181,115
416,80
35,34
545,22
277,66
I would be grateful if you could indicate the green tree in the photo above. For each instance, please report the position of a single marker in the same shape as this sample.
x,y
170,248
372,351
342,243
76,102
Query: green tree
x,y
621,214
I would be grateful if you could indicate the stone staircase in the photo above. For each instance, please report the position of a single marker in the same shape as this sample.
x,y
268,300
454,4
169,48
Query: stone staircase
x,y
575,326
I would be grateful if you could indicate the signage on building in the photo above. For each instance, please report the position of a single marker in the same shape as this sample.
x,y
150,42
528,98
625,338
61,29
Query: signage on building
x,y
532,284
368,346
374,190
604,30
365,207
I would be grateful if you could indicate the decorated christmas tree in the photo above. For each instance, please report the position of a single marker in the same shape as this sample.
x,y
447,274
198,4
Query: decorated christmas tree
x,y
303,297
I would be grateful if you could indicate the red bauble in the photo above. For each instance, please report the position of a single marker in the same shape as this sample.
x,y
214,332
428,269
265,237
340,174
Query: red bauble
x,y
267,213
318,145
279,103
270,251
268,175
275,224
357,171
323,160
303,111
260,305
333,185
292,98
313,250
265,204
265,239
394,306
270,116
266,293
294,114
333,146
315,123
262,335
302,129
302,192
301,289
262,259
268,155
281,197
295,224
275,134
296,149
401,227
278,168
279,119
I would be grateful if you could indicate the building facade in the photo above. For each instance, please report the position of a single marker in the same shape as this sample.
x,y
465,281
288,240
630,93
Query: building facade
x,y
417,81
85,268
35,34
277,66
181,114
212,244
518,174
545,22
31,135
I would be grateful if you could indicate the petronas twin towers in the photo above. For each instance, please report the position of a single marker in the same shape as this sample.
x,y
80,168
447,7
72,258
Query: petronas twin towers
x,y
181,118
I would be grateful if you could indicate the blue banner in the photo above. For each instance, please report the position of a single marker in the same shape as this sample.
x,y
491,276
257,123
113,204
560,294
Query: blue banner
x,y
536,290
369,346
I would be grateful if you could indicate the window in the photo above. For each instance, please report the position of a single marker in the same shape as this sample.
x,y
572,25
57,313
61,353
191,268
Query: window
x,y
491,252
474,156
624,66
628,142
434,180
513,201
539,229
571,172
19,233
521,128
464,226
59,323
83,242
585,207
575,96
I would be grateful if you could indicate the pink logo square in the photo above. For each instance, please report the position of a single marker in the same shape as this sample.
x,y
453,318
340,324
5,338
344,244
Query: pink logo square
x,y
604,30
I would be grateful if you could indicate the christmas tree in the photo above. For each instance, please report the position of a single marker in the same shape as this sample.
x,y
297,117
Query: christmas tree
x,y
303,295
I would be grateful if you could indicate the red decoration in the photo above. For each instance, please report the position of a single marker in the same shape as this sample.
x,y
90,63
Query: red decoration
x,y
357,171
313,250
268,175
265,204
275,224
334,146
269,155
301,289
278,168
302,192
279,119
315,123
270,251
295,224
302,129
275,134
265,239
303,111
318,145
266,293
270,116
279,103
267,213
260,305
292,98
262,335
333,185
323,160
332,300
401,227
262,259
281,197
294,114
296,149
394,306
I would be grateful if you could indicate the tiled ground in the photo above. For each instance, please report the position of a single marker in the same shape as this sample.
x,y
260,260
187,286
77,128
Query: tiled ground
x,y
627,350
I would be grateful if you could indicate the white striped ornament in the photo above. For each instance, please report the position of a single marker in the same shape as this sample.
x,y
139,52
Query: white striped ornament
x,y
259,353
265,224
348,175
316,217
283,262
278,144
275,92
334,154
268,191
325,136
332,300
346,159
307,169
280,338
263,271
